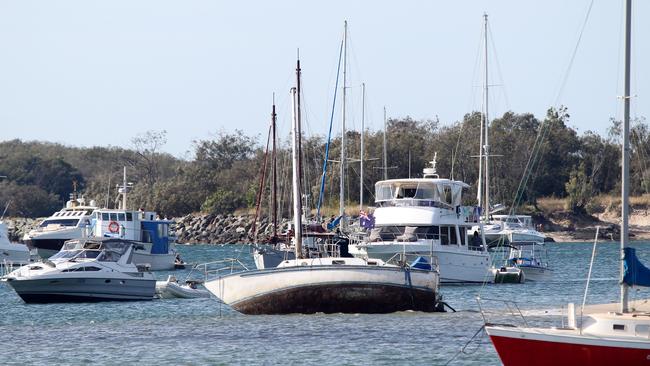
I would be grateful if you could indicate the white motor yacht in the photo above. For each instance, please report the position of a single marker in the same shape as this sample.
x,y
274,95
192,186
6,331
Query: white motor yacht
x,y
69,223
85,270
424,216
510,229
11,254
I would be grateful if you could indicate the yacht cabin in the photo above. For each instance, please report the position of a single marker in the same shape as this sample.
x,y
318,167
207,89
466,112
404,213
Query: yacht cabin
x,y
139,226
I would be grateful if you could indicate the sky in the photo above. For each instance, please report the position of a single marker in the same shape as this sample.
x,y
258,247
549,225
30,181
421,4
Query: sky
x,y
86,73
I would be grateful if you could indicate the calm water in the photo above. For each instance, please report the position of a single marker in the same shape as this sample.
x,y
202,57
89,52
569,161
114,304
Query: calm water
x,y
201,331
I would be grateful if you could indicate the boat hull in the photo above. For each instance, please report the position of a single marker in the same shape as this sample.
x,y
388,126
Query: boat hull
x,y
532,352
83,289
328,289
456,265
534,273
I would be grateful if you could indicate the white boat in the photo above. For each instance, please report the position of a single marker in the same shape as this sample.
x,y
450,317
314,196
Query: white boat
x,y
171,289
618,337
156,247
11,254
532,258
329,285
85,270
69,223
511,228
424,216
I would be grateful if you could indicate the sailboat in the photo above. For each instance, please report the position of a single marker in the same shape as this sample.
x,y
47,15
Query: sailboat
x,y
619,337
331,284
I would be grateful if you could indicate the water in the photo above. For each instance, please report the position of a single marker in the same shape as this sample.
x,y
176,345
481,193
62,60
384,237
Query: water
x,y
201,331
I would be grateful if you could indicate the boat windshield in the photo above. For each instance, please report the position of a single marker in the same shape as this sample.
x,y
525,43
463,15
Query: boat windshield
x,y
62,222
449,194
76,254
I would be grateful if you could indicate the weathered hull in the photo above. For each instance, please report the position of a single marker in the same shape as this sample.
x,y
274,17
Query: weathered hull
x,y
83,289
328,289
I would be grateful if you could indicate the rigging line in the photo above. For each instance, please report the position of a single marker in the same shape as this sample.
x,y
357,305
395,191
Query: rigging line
x,y
496,58
329,135
573,55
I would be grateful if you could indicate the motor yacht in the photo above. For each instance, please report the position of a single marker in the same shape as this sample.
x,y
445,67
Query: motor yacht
x,y
511,228
424,216
68,223
85,270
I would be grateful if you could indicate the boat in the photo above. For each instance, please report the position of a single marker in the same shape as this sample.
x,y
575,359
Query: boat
x,y
331,284
424,216
68,223
619,336
11,254
511,229
532,258
85,270
171,288
156,247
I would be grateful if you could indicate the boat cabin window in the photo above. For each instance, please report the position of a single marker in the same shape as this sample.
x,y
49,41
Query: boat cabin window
x,y
113,216
104,216
618,327
82,269
62,222
444,235
463,235
108,256
642,330
121,216
452,235
65,254
129,216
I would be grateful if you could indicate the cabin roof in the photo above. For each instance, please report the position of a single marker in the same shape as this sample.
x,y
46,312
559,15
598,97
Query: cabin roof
x,y
443,181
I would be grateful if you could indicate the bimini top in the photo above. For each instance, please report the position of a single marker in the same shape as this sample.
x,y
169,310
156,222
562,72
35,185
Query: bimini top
x,y
445,191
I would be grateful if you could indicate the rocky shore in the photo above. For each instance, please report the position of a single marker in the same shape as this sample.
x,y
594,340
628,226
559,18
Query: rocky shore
x,y
236,229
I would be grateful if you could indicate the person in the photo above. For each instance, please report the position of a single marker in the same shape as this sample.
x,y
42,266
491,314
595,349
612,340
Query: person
x,y
476,240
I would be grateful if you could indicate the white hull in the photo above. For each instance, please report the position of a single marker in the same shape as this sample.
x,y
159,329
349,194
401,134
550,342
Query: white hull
x,y
457,265
13,254
327,288
537,273
157,262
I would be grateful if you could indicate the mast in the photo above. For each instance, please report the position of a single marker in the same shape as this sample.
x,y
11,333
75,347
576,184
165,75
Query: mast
x,y
274,182
299,117
124,190
486,120
342,173
625,166
295,154
385,153
363,131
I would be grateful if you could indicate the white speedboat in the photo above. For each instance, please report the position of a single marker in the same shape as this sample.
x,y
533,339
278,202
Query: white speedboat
x,y
532,258
69,223
85,270
424,216
11,254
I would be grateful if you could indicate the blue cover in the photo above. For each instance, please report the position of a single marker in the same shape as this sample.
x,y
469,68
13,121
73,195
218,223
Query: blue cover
x,y
421,263
636,274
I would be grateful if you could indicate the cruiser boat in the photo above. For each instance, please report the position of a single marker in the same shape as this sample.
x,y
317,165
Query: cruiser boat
x,y
511,228
11,254
69,223
424,216
85,270
531,258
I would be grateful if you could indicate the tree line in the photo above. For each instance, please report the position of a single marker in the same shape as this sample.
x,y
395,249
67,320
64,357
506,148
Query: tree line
x,y
222,176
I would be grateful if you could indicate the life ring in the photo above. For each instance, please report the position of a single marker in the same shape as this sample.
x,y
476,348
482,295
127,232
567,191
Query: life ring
x,y
114,227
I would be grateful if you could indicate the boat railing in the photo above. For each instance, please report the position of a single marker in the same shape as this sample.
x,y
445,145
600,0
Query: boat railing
x,y
495,315
211,270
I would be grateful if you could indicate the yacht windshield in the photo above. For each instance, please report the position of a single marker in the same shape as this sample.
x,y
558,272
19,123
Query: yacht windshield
x,y
65,254
62,222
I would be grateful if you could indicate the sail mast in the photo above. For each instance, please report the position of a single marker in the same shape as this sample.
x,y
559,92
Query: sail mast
x,y
625,166
486,120
342,172
363,132
274,204
297,201
385,152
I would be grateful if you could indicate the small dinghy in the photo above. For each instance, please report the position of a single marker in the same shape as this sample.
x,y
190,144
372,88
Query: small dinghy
x,y
171,289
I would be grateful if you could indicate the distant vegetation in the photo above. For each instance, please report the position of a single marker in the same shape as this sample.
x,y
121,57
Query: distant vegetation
x,y
223,174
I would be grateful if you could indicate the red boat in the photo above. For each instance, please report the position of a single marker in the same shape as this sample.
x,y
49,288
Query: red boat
x,y
616,336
